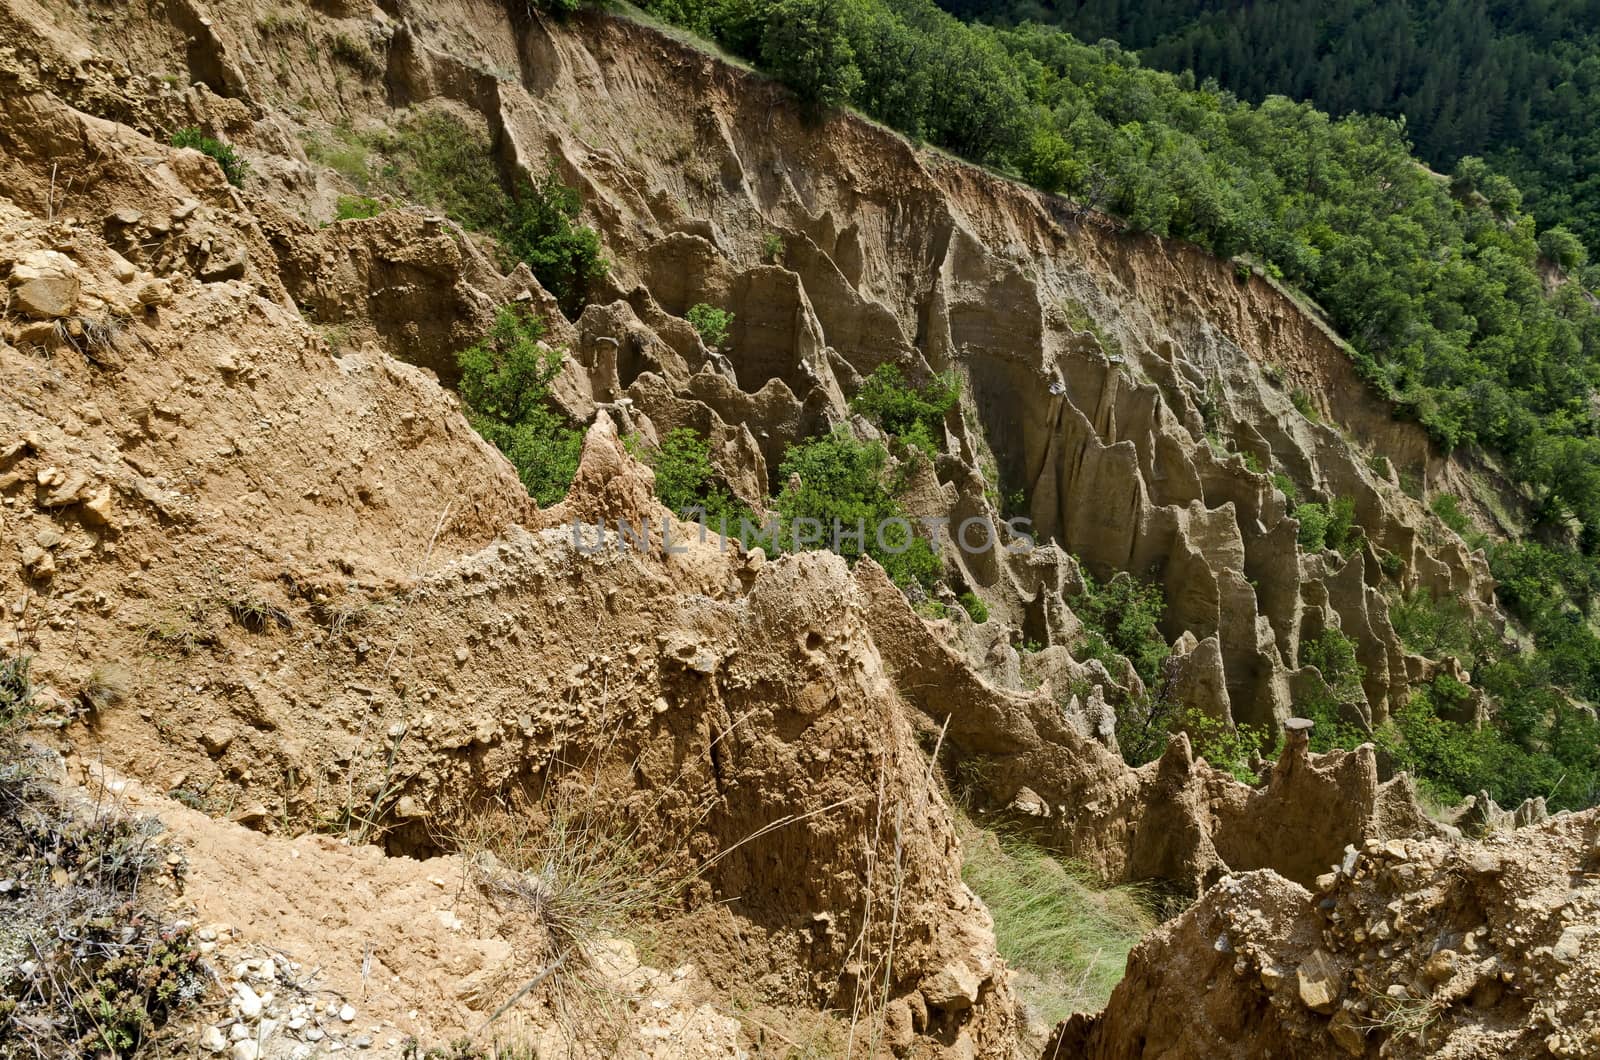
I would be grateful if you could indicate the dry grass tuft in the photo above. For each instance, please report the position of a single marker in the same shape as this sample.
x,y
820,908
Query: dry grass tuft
x,y
1068,938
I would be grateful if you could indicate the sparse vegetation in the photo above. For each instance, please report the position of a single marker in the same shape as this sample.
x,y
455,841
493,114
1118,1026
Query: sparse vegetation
x,y
356,208
772,248
88,970
1447,506
234,167
1068,938
355,53
712,323
505,385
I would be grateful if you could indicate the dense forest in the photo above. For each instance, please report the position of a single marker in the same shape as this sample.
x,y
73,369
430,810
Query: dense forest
x,y
1458,309
1517,83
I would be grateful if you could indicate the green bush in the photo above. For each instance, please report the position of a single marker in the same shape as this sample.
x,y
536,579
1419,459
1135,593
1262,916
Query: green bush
x,y
686,481
356,208
1285,485
845,479
1227,747
1343,534
505,385
712,323
1123,618
1313,520
234,167
974,607
540,228
1447,506
912,415
1334,656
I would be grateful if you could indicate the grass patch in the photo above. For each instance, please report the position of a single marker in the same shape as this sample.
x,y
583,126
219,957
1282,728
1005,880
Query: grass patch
x,y
1068,939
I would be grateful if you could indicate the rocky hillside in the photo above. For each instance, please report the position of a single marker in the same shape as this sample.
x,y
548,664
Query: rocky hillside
x,y
265,567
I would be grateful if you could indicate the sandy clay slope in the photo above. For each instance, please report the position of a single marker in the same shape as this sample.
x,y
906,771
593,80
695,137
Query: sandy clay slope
x,y
275,585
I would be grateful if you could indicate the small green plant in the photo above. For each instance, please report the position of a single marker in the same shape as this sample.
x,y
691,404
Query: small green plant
x,y
1303,404
974,607
772,248
712,323
1253,463
1391,562
356,208
933,609
1285,485
1379,465
234,167
505,385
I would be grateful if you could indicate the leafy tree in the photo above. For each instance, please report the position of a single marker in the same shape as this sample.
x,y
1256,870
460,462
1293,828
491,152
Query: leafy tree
x,y
540,229
1123,618
1561,246
806,45
505,385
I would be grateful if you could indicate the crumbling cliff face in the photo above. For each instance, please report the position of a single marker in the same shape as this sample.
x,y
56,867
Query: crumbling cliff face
x,y
265,565
1402,949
